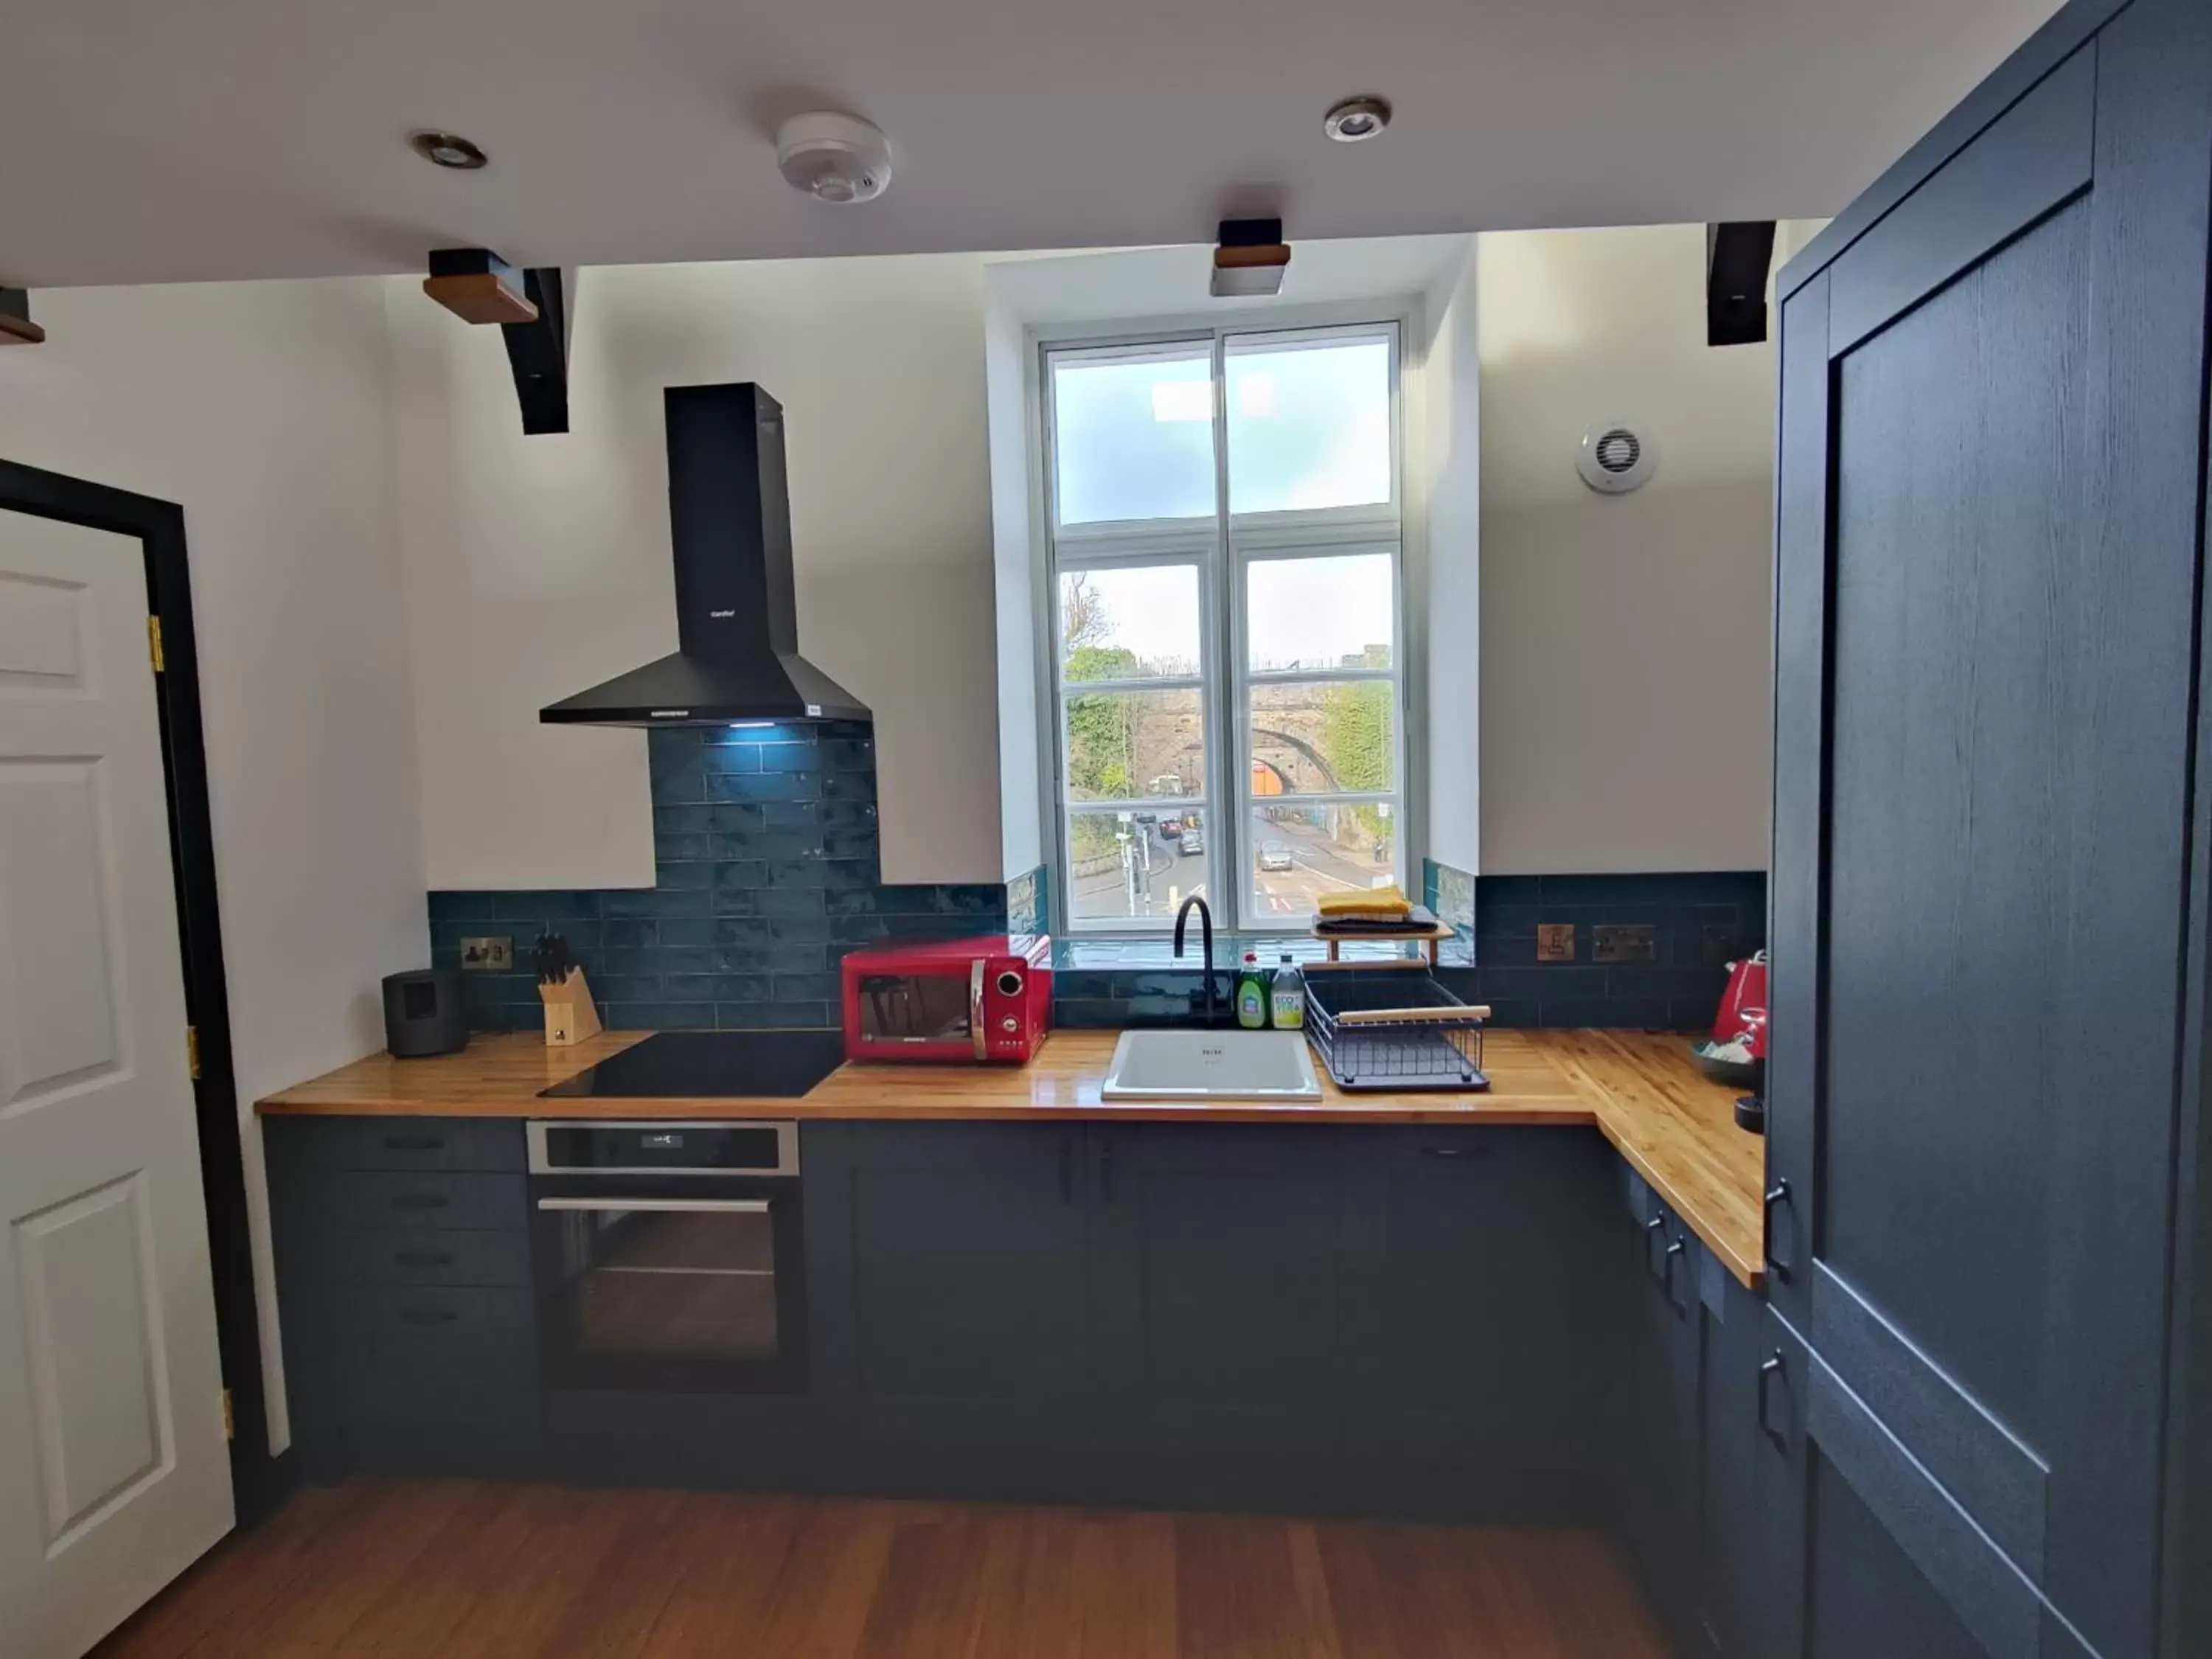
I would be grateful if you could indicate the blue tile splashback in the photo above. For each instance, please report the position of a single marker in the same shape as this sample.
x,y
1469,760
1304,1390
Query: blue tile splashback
x,y
765,875
1700,923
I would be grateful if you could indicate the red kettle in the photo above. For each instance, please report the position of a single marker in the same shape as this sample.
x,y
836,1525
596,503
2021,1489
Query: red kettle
x,y
1742,1017
1736,1052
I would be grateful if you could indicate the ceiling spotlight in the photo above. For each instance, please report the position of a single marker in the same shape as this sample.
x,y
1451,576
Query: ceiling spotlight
x,y
447,149
1356,118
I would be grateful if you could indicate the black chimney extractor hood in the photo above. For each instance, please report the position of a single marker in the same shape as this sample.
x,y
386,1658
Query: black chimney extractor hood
x,y
729,519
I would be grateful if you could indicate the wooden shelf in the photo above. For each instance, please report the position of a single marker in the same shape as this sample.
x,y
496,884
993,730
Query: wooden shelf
x,y
1433,938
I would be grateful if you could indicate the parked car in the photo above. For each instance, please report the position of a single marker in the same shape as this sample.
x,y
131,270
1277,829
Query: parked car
x,y
1275,855
1194,838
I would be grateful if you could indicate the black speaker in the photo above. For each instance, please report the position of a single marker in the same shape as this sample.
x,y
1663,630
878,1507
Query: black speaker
x,y
423,1013
1737,255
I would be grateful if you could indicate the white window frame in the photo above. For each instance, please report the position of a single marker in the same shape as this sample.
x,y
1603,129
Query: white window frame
x,y
1225,548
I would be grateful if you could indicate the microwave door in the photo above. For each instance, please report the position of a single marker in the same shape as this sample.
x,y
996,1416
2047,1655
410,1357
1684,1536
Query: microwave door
x,y
922,1008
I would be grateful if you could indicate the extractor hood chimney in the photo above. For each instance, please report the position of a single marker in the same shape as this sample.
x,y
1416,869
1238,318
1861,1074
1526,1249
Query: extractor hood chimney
x,y
737,624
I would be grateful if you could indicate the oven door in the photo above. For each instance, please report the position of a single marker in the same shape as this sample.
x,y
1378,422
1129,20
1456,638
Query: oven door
x,y
931,1014
668,1284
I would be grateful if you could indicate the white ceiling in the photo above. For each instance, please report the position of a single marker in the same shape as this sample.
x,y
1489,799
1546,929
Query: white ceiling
x,y
154,141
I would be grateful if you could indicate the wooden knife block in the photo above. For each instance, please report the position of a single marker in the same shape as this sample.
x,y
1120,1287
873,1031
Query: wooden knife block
x,y
570,1016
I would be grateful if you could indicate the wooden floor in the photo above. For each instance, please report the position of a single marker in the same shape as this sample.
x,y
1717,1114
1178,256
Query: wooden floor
x,y
462,1568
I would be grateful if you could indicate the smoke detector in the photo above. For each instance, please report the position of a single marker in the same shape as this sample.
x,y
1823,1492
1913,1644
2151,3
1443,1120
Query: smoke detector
x,y
1617,457
839,159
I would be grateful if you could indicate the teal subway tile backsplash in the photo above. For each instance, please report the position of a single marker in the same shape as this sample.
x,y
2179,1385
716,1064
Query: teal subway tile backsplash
x,y
765,872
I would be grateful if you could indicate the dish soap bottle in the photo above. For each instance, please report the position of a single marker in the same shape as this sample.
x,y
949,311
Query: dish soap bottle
x,y
1252,994
1286,997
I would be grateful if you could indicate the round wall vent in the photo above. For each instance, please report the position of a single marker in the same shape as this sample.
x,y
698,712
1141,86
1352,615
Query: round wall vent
x,y
1616,456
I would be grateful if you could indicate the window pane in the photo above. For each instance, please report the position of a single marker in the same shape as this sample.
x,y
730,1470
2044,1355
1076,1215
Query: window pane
x,y
1135,746
1129,623
1137,866
1309,425
1325,738
1299,853
1134,437
1336,612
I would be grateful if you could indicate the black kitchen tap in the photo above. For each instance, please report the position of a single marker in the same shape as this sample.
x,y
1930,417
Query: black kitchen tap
x,y
1205,938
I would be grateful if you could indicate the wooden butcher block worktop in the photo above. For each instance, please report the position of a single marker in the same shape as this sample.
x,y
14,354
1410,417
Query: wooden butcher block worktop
x,y
1640,1090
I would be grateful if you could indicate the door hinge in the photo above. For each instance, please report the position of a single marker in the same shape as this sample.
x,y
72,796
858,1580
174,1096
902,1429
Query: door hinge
x,y
193,1049
153,643
229,1421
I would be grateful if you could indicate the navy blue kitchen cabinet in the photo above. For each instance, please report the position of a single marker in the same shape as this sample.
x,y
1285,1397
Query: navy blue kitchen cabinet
x,y
1217,1289
1993,818
1477,1344
403,1277
947,1270
1744,1560
1860,1551
1657,1469
1240,1314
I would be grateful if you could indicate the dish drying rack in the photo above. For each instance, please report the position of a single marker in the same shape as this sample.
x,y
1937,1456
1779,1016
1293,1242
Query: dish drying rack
x,y
1384,1028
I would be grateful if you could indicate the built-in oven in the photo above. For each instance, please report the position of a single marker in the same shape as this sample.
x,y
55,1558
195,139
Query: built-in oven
x,y
668,1256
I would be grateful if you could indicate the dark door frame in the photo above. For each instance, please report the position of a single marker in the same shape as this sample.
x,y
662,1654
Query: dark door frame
x,y
258,1481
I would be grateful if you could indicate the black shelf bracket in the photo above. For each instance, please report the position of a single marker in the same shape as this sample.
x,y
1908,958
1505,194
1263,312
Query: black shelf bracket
x,y
538,350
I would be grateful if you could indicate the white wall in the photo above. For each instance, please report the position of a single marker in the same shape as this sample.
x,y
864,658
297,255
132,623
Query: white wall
x,y
260,408
1625,673
535,567
1451,464
1018,576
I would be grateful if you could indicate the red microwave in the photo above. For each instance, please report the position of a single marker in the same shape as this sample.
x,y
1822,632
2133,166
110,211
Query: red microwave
x,y
987,999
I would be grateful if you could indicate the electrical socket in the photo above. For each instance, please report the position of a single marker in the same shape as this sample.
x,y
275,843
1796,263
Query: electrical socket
x,y
487,956
1637,941
1555,941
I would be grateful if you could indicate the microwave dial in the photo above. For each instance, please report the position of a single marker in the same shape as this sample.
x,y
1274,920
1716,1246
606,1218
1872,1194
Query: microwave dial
x,y
1010,984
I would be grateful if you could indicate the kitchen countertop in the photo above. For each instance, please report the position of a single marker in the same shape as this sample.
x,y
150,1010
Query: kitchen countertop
x,y
1640,1090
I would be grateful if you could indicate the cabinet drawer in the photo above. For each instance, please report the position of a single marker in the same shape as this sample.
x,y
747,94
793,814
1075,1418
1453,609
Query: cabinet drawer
x,y
442,1355
422,1143
428,1256
432,1198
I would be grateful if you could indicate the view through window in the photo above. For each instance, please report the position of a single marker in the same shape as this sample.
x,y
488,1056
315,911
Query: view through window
x,y
1224,518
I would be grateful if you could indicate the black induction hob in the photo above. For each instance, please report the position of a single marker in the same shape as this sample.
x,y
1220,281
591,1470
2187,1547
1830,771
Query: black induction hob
x,y
703,1064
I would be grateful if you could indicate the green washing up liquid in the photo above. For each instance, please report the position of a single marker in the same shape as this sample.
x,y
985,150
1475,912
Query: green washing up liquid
x,y
1252,994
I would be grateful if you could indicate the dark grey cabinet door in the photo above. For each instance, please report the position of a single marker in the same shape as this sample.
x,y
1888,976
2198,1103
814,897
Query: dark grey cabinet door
x,y
1860,1553
1216,1287
1989,520
1471,1335
1737,1557
1661,1383
946,1269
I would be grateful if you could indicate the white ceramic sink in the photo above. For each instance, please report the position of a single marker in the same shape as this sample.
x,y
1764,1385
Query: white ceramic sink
x,y
1211,1065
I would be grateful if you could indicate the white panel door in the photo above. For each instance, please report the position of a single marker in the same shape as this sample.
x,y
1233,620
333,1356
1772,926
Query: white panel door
x,y
113,1472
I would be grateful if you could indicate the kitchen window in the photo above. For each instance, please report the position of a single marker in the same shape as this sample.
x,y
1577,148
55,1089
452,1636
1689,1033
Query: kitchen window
x,y
1223,511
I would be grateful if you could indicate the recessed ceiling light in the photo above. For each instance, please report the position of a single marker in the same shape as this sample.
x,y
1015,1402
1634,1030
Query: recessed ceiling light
x,y
447,149
1356,118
